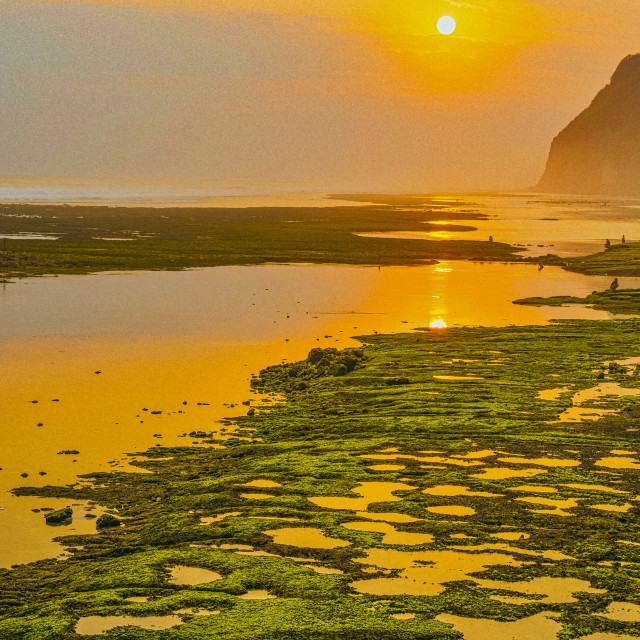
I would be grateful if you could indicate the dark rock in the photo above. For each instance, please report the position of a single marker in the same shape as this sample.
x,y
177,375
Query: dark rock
x,y
396,381
106,520
55,517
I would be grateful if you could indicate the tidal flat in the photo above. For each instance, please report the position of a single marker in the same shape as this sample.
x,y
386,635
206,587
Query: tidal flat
x,y
555,559
474,479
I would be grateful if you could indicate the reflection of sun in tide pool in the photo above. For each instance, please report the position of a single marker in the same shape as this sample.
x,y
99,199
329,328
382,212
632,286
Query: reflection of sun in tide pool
x,y
446,25
438,324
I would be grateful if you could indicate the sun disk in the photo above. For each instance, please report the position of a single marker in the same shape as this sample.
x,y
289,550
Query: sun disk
x,y
446,25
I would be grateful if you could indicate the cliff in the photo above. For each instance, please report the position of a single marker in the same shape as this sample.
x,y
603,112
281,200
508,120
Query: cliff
x,y
599,151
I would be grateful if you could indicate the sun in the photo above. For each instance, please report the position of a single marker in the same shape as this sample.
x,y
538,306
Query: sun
x,y
438,324
446,25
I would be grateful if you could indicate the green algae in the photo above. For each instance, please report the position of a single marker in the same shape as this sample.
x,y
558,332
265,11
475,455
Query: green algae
x,y
180,238
318,442
622,301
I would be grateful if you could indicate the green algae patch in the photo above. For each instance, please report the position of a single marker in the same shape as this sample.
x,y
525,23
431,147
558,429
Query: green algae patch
x,y
622,301
488,506
183,238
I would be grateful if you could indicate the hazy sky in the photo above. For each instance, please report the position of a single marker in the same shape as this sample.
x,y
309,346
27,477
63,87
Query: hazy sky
x,y
354,94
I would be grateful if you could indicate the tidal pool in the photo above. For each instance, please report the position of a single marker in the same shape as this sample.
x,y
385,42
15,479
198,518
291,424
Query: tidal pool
x,y
391,535
538,627
306,538
96,625
371,492
188,576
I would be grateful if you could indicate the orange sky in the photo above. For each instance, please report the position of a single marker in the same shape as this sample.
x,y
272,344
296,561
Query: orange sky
x,y
345,93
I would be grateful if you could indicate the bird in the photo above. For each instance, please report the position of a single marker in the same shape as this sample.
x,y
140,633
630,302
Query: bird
x,y
614,285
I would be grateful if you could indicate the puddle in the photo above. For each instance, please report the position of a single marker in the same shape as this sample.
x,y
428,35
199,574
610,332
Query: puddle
x,y
548,554
554,590
462,536
424,573
607,636
569,503
95,625
137,599
387,467
578,413
620,452
391,536
618,463
593,487
234,547
326,571
543,462
532,488
188,576
623,508
452,510
219,518
503,473
431,459
538,627
262,484
305,538
583,414
477,455
458,378
403,616
387,517
451,491
623,611
256,594
552,394
197,612
603,389
511,535
257,496
370,491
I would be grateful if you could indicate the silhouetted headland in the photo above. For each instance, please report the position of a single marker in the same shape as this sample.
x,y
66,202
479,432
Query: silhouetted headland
x,y
599,151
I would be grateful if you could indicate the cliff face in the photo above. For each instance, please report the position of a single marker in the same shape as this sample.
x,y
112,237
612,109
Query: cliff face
x,y
599,152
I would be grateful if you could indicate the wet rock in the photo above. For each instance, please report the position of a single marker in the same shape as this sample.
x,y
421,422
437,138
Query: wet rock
x,y
396,381
55,517
68,452
106,520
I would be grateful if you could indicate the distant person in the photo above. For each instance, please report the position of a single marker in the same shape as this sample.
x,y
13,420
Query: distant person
x,y
490,238
623,240
614,285
607,244
540,266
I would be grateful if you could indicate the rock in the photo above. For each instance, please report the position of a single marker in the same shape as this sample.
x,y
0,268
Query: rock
x,y
55,517
396,381
107,520
597,153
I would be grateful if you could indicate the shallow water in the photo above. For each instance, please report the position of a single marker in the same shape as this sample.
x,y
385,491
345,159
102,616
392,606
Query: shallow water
x,y
86,355
305,537
538,627
96,625
182,575
550,223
